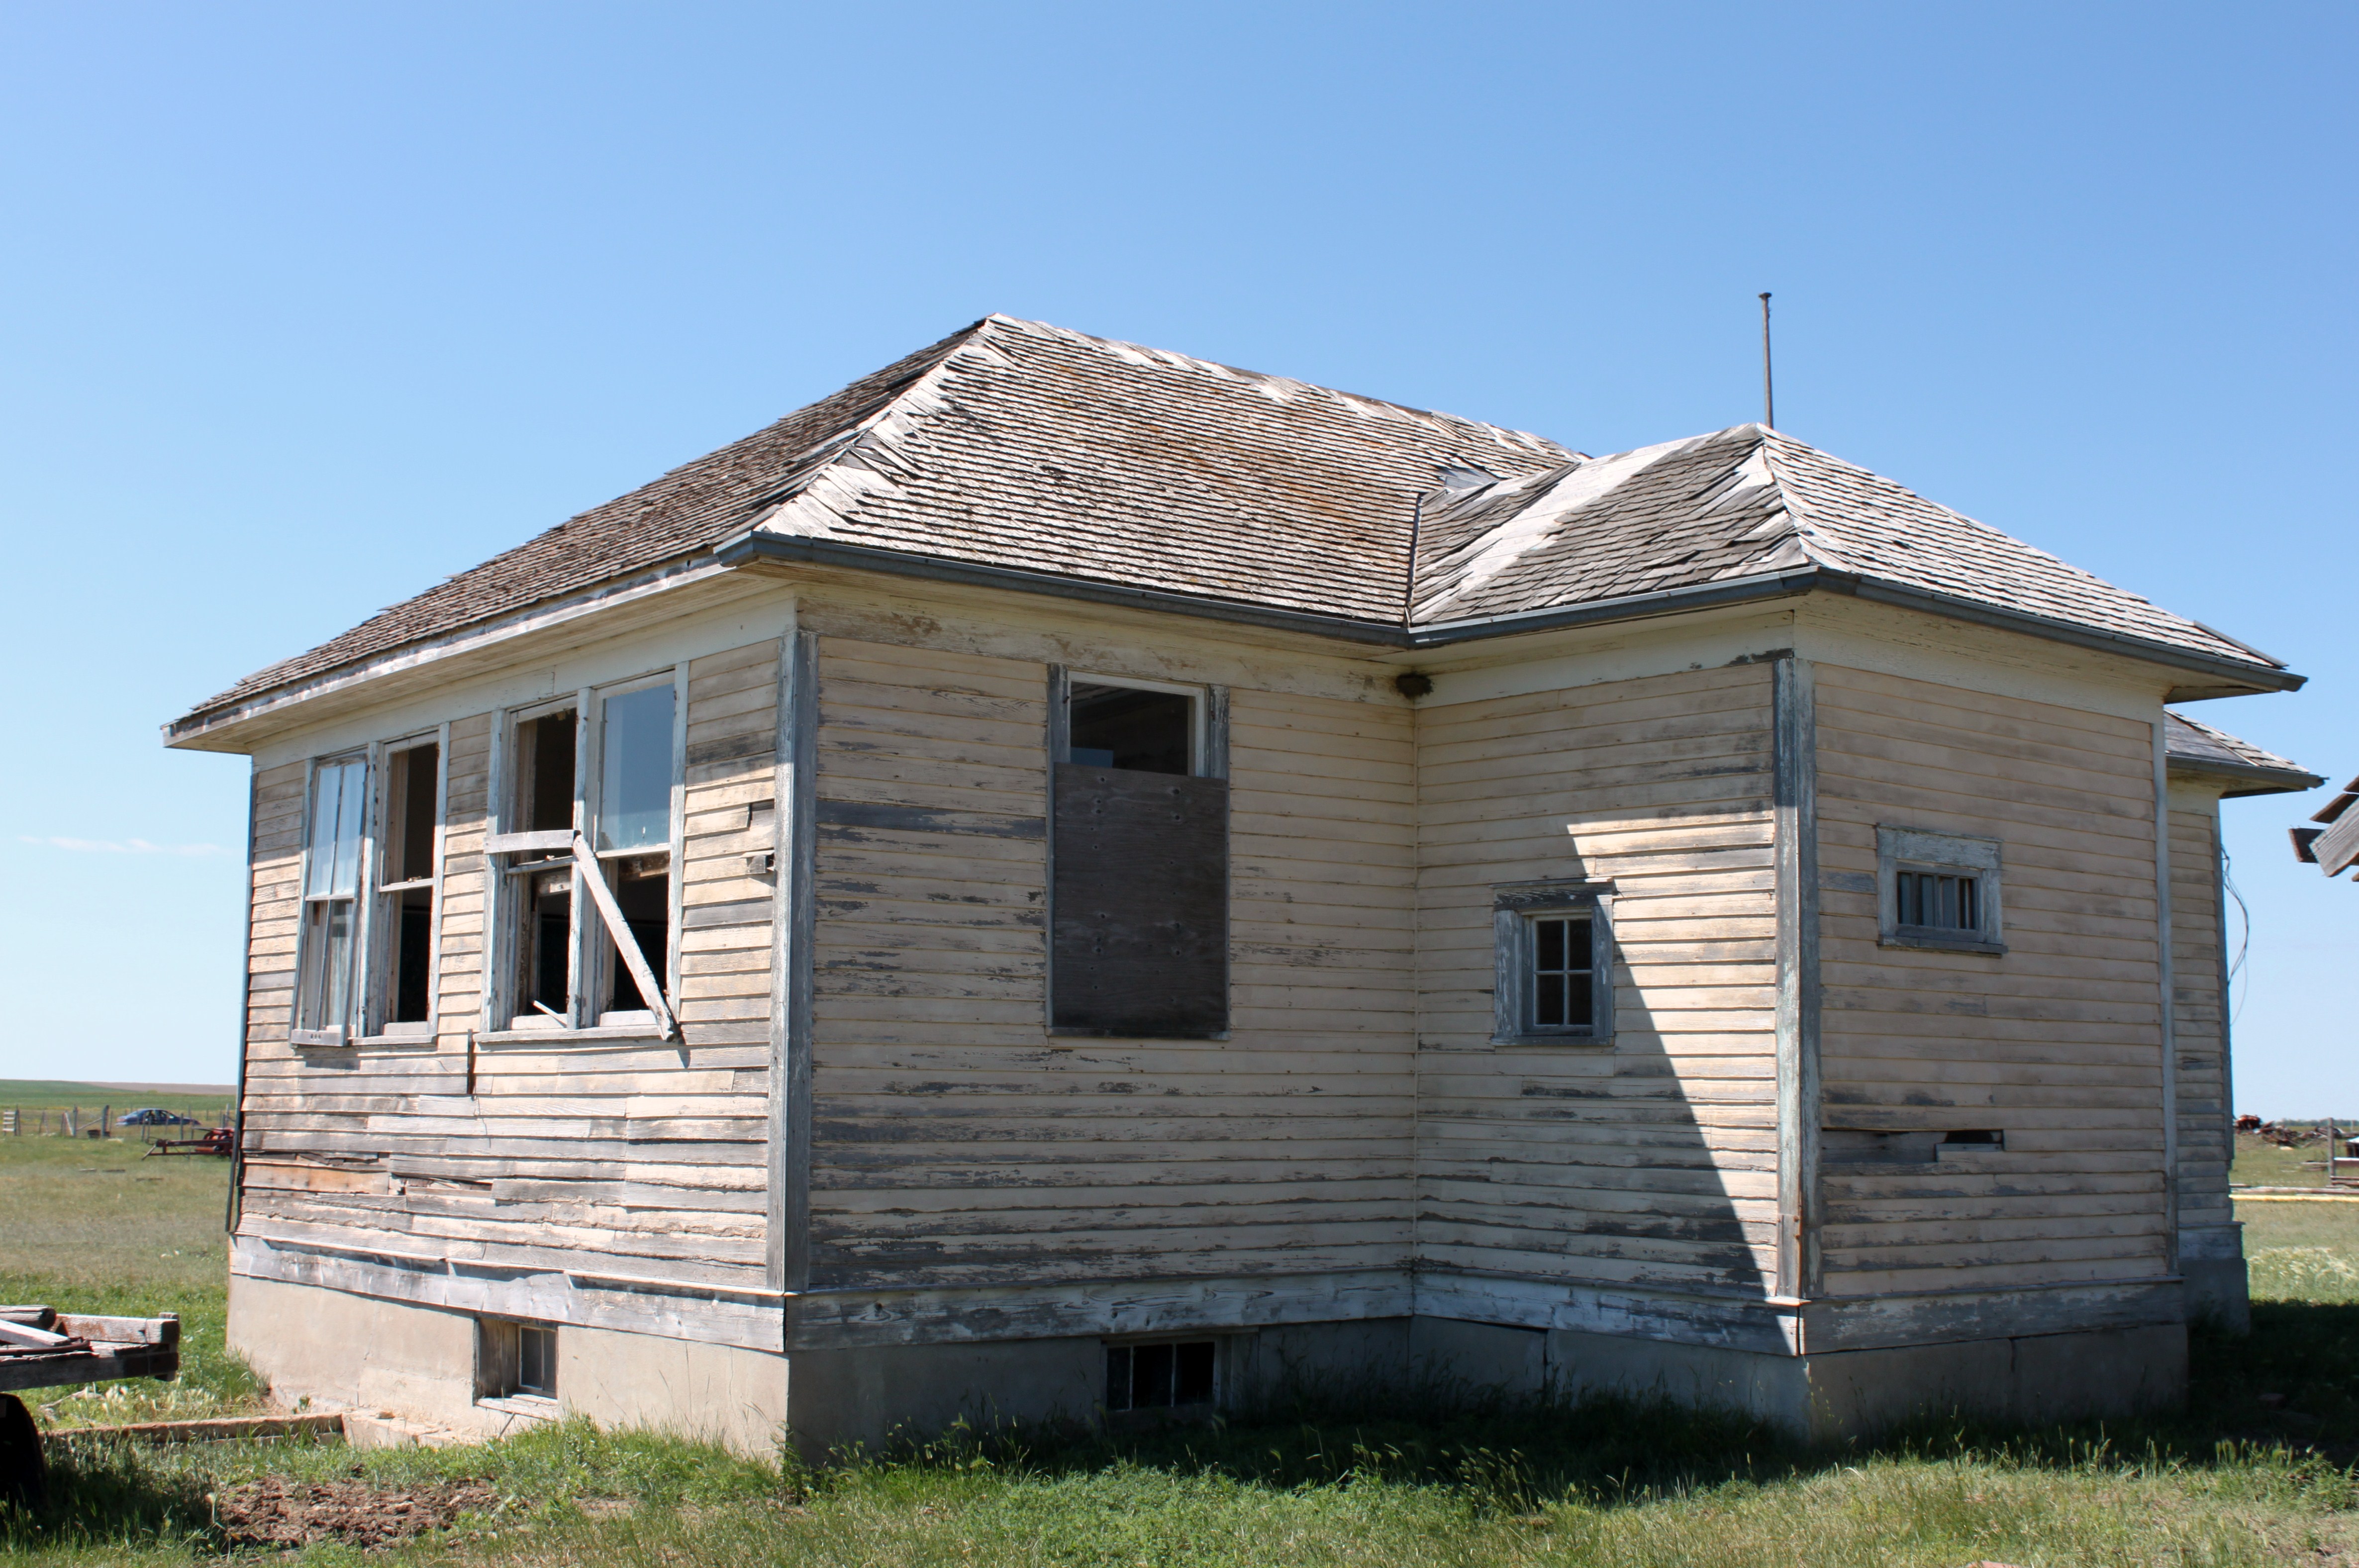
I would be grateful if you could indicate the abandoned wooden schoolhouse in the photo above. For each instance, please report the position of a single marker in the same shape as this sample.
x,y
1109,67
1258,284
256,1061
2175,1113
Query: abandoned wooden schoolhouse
x,y
1066,879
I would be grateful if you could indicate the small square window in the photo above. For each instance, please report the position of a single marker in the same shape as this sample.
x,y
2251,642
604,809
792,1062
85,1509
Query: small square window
x,y
513,1358
1936,890
1159,1377
1555,963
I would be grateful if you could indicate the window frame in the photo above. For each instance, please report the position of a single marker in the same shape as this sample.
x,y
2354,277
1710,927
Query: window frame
x,y
343,1031
1208,758
595,976
1202,761
1927,852
504,1011
379,955
507,1016
1516,910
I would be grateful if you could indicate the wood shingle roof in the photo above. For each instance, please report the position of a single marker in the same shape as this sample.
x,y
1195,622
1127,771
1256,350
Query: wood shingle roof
x,y
1026,449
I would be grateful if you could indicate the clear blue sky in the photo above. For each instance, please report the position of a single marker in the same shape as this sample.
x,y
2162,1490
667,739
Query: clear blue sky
x,y
307,306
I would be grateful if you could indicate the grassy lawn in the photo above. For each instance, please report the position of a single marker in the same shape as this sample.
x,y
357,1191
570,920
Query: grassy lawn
x,y
2258,1470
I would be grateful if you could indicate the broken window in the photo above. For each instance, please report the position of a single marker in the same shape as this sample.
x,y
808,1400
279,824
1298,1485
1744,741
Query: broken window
x,y
1140,861
1554,962
633,833
588,858
328,942
1938,890
539,875
1160,1377
404,935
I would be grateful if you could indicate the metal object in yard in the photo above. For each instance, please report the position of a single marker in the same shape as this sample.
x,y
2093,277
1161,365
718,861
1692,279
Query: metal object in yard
x,y
220,1140
41,1348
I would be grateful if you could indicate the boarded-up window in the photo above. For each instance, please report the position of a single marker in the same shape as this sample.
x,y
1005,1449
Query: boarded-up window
x,y
1140,892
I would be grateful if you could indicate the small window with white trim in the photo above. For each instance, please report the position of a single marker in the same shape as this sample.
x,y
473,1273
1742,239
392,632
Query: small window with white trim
x,y
1554,964
329,939
1938,890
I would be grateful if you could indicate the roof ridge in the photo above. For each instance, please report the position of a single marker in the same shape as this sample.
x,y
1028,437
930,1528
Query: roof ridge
x,y
1533,444
828,491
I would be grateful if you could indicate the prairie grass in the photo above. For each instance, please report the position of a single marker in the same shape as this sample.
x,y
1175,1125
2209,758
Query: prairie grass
x,y
2256,1470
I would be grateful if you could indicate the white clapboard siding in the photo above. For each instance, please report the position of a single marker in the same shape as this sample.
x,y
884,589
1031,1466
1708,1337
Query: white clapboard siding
x,y
623,1158
956,1142
2055,1044
1653,1159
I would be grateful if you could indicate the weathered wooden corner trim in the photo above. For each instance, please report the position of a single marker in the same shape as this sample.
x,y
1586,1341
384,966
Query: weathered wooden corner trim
x,y
1794,727
1057,738
794,928
233,1204
2168,1017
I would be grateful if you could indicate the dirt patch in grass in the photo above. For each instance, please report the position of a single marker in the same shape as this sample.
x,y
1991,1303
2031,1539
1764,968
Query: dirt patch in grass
x,y
280,1511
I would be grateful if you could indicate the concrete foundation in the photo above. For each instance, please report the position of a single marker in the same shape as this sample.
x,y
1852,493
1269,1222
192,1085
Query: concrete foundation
x,y
416,1364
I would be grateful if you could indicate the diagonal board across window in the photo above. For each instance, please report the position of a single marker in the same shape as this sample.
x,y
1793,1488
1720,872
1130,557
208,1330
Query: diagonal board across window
x,y
1139,855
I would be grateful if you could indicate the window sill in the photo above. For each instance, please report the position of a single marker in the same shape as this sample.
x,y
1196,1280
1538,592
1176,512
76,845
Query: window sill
x,y
1936,942
318,1040
569,1036
532,1406
1566,1038
385,1041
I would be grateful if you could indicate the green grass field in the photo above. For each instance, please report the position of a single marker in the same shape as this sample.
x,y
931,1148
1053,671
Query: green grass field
x,y
2257,1471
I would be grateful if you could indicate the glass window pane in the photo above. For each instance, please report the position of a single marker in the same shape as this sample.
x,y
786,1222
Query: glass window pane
x,y
338,792
1551,943
635,777
1119,726
1548,1011
1577,1003
1577,956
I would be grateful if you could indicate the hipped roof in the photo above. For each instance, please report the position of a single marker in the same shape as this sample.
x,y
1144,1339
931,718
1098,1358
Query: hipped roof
x,y
1066,463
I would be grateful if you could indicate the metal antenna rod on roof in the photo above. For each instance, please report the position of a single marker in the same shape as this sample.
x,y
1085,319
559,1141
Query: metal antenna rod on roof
x,y
1768,389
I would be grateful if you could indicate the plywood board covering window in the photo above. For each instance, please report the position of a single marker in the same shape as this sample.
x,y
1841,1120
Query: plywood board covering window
x,y
1140,861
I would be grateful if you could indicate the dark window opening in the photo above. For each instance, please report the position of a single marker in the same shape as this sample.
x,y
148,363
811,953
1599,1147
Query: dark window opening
x,y
1984,1138
545,956
1935,902
413,959
410,814
542,882
545,773
1562,973
1143,732
408,903
514,1358
536,1360
1159,1377
643,889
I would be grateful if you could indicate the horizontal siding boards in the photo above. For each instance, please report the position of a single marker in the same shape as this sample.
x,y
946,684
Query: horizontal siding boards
x,y
957,1143
1652,1160
624,1159
2199,1012
2054,1044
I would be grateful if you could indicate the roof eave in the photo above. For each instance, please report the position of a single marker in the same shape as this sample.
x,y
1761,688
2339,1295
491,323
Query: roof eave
x,y
2246,778
2227,677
